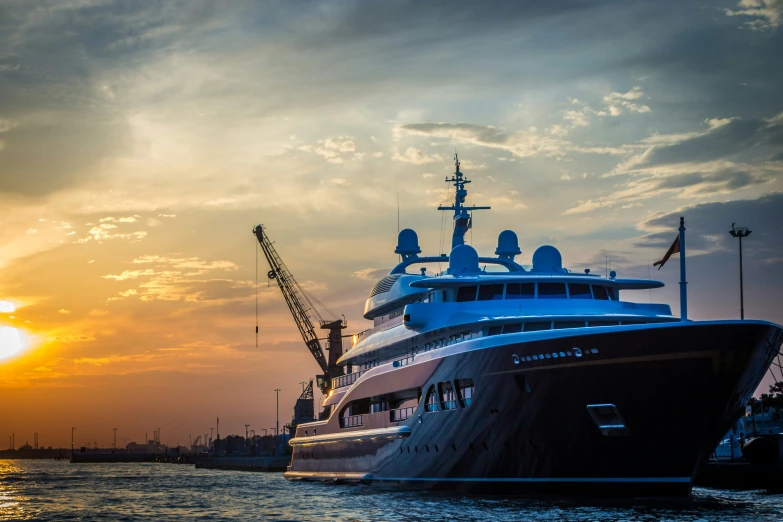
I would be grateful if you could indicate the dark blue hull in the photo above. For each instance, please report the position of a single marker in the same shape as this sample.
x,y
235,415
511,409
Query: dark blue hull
x,y
528,428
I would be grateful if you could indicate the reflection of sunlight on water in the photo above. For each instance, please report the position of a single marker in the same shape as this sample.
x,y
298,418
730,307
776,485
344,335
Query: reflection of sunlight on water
x,y
11,507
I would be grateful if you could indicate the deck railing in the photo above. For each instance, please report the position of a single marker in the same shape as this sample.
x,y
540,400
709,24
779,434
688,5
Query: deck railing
x,y
345,380
403,362
352,421
401,414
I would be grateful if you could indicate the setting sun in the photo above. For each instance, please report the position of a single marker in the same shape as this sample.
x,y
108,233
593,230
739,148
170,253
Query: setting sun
x,y
10,342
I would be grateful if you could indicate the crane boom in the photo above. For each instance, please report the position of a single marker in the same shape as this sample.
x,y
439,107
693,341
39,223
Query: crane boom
x,y
294,297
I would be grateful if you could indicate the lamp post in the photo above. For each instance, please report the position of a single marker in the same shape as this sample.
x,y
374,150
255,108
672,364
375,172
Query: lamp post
x,y
303,385
72,428
277,411
740,232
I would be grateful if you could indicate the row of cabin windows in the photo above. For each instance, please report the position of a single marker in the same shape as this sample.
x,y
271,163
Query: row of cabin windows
x,y
444,396
537,326
497,291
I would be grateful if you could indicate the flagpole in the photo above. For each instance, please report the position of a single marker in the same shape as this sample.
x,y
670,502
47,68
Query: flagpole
x,y
683,282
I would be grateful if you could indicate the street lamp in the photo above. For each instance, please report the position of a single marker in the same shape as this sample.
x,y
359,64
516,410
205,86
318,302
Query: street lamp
x,y
740,232
277,411
303,385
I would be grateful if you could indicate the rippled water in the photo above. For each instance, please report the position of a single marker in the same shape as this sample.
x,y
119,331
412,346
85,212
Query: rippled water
x,y
50,490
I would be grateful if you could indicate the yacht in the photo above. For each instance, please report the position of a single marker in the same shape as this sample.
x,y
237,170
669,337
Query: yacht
x,y
493,377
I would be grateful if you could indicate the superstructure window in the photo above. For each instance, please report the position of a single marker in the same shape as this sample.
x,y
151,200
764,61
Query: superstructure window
x,y
512,328
579,291
551,290
490,292
465,390
600,293
466,293
432,400
447,395
494,330
537,327
612,293
560,325
520,291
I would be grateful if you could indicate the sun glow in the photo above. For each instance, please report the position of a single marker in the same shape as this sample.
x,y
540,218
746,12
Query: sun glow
x,y
7,307
10,342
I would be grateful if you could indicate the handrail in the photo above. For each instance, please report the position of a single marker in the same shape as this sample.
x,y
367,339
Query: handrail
x,y
400,414
346,380
352,421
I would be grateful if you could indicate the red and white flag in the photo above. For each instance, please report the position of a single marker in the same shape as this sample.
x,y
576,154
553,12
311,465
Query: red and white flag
x,y
675,248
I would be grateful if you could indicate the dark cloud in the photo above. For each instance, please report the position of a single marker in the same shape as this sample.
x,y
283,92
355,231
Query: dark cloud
x,y
711,183
737,136
708,226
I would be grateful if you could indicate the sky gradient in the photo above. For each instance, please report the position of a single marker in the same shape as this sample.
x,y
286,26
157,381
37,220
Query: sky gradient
x,y
140,143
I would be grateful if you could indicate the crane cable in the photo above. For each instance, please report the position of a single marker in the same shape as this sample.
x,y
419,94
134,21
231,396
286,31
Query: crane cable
x,y
256,286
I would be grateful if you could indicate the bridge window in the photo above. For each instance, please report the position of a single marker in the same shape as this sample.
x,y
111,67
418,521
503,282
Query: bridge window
x,y
536,327
512,328
494,330
579,291
600,293
432,400
559,325
551,290
465,390
466,293
520,291
490,292
612,293
448,398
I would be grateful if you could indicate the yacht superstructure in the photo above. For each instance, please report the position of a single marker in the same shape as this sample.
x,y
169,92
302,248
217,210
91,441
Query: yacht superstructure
x,y
490,375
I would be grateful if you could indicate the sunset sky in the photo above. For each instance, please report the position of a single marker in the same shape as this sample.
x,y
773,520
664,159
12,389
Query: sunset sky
x,y
141,142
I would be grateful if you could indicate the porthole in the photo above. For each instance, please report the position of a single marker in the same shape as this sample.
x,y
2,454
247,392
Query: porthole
x,y
594,350
515,358
548,356
555,355
535,357
578,352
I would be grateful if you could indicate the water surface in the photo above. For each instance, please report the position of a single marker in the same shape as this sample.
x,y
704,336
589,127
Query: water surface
x,y
52,490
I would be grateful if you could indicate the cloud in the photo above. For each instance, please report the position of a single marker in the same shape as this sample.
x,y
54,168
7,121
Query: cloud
x,y
708,225
617,102
521,143
370,274
723,138
767,14
682,185
415,156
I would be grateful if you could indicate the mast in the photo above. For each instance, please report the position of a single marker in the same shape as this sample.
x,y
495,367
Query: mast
x,y
295,297
462,218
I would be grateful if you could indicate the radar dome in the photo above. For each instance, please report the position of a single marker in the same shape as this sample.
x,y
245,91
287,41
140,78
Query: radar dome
x,y
463,260
508,245
407,243
547,259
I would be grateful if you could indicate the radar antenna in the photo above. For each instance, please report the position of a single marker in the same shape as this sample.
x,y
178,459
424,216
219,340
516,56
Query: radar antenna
x,y
462,218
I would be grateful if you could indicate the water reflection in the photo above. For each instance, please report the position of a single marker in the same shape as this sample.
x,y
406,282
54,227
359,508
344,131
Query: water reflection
x,y
13,503
53,490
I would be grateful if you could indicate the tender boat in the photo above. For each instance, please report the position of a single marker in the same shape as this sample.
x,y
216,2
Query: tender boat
x,y
493,377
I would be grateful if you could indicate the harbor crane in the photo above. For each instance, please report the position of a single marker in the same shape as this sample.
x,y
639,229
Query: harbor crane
x,y
303,309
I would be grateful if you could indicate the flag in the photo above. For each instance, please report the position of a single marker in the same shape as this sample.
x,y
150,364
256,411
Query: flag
x,y
675,248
